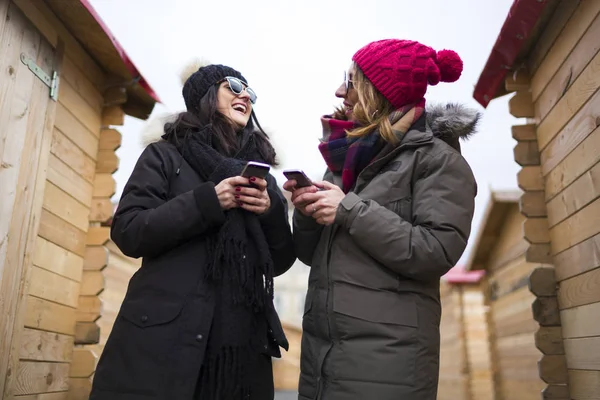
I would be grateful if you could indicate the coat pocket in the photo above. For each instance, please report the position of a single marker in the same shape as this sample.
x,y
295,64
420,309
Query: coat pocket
x,y
379,328
146,313
400,202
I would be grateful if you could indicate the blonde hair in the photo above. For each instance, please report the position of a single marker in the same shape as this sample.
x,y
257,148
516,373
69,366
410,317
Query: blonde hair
x,y
372,110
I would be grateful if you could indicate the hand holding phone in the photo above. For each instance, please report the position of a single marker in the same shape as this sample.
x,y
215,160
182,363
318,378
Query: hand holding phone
x,y
302,180
255,169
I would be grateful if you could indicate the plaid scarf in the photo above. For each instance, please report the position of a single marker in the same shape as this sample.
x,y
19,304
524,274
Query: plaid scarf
x,y
351,155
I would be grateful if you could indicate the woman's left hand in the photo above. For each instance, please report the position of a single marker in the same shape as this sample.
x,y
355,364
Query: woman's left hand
x,y
254,199
323,205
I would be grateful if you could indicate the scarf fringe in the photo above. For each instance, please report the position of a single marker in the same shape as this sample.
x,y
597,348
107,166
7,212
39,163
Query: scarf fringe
x,y
222,375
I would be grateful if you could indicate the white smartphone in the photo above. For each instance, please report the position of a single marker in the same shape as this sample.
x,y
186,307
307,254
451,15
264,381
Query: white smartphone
x,y
302,180
255,169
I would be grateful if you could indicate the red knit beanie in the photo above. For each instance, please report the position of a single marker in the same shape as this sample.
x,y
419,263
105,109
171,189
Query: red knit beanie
x,y
402,69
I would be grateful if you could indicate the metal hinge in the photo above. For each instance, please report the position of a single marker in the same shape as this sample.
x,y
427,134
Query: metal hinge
x,y
51,82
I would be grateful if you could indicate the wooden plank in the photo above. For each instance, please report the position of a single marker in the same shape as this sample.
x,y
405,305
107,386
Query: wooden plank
x,y
548,340
45,346
92,283
76,104
44,396
575,229
47,316
545,311
576,164
61,233
584,384
533,204
580,290
84,363
50,286
61,175
556,392
518,81
108,162
96,258
87,333
102,210
82,85
555,26
38,377
581,321
582,18
530,179
66,207
115,96
535,230
80,388
110,139
113,115
89,308
104,185
540,253
553,369
579,353
578,259
53,258
581,55
542,282
578,94
524,132
27,119
81,136
575,197
73,156
79,56
43,25
98,235
527,153
521,105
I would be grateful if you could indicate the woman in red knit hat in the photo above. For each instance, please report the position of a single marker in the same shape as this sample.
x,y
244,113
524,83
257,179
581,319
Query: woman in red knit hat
x,y
392,215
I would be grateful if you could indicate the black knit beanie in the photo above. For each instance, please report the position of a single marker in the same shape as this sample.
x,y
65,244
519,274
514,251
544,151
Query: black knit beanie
x,y
199,82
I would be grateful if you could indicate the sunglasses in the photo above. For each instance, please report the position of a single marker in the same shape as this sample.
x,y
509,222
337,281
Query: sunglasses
x,y
348,81
237,86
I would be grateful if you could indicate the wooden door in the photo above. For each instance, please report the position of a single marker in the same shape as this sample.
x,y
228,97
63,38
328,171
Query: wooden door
x,y
26,120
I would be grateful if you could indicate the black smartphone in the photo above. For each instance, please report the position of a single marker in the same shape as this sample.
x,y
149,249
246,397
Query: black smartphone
x,y
299,176
255,169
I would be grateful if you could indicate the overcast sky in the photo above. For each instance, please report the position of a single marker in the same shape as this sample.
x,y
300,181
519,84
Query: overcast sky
x,y
294,55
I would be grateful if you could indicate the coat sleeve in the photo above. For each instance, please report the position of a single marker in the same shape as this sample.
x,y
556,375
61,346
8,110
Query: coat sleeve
x,y
276,226
147,223
443,202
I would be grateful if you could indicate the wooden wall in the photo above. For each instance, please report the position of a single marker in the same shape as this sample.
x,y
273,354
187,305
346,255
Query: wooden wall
x,y
558,92
465,361
65,183
286,370
512,327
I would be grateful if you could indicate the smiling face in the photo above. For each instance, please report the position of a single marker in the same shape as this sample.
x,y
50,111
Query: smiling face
x,y
236,107
350,95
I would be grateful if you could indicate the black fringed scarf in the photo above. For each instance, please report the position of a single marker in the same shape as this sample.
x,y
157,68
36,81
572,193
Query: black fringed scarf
x,y
240,266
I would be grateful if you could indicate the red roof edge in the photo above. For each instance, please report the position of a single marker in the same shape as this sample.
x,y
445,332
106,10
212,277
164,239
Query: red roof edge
x,y
126,60
519,23
458,274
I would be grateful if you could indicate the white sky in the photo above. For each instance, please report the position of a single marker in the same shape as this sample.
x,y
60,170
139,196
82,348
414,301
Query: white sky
x,y
294,54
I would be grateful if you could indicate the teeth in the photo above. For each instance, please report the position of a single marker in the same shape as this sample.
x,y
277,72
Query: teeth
x,y
240,107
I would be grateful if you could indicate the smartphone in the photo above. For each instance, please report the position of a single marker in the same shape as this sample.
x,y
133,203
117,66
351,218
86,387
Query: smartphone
x,y
299,176
256,169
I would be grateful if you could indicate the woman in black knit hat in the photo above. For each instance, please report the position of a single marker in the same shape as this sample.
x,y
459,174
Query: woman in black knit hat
x,y
198,320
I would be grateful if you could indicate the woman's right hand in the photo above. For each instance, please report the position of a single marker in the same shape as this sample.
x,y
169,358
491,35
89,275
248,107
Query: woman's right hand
x,y
301,206
226,191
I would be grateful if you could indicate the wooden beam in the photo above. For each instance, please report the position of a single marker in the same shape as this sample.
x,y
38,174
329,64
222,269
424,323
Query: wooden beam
x,y
84,363
542,282
92,283
102,209
535,230
524,132
110,139
539,253
517,81
89,308
87,333
115,96
556,392
80,388
530,179
98,235
104,185
527,153
545,311
521,105
549,340
96,258
553,369
113,115
107,162
533,204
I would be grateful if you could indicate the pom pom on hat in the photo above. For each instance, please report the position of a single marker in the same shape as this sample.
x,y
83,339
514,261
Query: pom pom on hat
x,y
450,65
191,67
